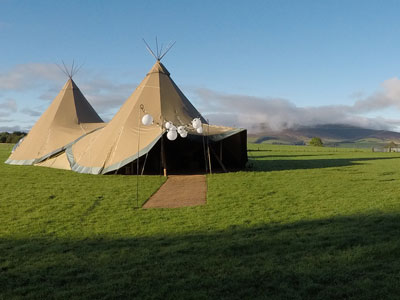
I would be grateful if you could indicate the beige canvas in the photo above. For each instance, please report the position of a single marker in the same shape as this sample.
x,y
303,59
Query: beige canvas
x,y
69,117
124,138
57,162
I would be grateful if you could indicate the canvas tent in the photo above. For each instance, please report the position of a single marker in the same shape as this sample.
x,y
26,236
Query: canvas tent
x,y
116,147
68,118
70,135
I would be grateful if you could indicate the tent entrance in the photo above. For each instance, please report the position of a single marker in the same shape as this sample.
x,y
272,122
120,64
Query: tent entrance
x,y
191,156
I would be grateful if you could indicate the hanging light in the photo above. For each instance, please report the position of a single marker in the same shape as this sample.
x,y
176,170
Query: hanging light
x,y
181,129
172,135
199,130
147,120
172,128
183,134
196,123
168,125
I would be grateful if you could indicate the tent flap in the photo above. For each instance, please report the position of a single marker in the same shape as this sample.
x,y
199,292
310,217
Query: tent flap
x,y
101,170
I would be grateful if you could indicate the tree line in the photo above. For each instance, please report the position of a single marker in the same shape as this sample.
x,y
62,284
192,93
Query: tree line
x,y
12,138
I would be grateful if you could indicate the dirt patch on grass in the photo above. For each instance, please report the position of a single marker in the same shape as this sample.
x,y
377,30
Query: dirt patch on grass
x,y
180,191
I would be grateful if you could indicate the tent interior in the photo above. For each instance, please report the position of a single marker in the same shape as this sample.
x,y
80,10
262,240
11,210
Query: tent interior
x,y
193,155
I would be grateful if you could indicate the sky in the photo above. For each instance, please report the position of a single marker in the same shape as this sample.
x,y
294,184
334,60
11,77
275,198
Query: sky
x,y
252,64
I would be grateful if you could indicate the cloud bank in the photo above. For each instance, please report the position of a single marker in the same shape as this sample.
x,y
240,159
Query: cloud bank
x,y
9,105
28,76
254,113
258,114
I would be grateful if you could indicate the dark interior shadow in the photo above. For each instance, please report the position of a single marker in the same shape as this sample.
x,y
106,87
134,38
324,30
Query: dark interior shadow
x,y
355,257
280,165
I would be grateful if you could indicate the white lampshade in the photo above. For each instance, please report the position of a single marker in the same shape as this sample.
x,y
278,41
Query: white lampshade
x,y
196,123
181,129
147,119
172,135
199,130
183,134
168,124
172,128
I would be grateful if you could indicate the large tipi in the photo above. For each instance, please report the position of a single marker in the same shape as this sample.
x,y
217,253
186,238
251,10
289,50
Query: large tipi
x,y
69,117
117,146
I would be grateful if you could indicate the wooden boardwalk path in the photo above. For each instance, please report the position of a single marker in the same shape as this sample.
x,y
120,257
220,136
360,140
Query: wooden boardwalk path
x,y
180,191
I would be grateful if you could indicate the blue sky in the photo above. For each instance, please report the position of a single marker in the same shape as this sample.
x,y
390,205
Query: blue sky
x,y
243,63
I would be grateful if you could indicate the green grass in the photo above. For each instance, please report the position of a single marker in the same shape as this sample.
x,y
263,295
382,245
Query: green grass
x,y
300,223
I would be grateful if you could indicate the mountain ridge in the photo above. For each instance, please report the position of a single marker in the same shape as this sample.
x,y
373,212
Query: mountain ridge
x,y
331,134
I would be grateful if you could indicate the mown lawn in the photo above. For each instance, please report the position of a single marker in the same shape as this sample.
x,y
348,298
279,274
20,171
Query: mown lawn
x,y
300,223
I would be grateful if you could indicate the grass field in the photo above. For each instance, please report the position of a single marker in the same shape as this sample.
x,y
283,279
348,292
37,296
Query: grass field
x,y
300,223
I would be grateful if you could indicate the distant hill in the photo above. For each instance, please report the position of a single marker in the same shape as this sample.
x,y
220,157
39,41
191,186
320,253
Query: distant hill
x,y
333,135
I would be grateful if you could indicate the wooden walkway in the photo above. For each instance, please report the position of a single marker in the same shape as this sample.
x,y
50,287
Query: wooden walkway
x,y
180,191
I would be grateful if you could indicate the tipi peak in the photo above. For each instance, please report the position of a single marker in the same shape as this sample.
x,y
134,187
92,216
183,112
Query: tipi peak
x,y
158,67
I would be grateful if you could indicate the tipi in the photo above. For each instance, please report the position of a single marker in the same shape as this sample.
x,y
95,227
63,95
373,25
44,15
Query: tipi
x,y
69,117
117,146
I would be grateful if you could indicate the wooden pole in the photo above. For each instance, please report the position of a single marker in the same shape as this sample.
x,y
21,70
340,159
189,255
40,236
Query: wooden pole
x,y
205,155
209,158
163,160
220,150
209,155
208,146
218,160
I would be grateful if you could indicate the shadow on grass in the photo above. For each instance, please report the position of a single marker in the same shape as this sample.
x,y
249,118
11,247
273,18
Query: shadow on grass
x,y
259,150
288,155
280,165
354,257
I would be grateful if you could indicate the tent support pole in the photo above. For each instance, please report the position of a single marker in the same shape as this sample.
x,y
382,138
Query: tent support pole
x,y
208,146
219,161
163,160
205,155
220,151
144,164
209,156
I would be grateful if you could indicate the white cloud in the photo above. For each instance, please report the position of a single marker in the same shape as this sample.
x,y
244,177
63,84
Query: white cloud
x,y
255,113
388,97
27,76
9,105
31,112
10,128
7,108
250,112
105,95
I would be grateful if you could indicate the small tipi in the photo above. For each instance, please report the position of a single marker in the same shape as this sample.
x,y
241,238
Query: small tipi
x,y
69,117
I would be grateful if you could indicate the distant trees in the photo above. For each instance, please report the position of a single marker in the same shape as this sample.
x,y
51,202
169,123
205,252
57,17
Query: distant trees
x,y
11,138
317,142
